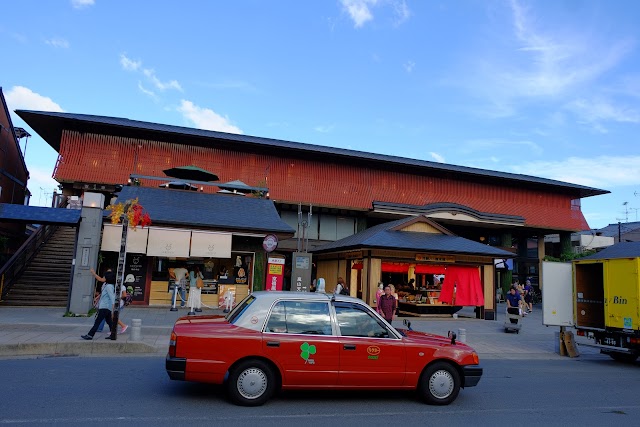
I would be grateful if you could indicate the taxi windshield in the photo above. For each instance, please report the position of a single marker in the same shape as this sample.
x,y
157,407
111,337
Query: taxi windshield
x,y
236,313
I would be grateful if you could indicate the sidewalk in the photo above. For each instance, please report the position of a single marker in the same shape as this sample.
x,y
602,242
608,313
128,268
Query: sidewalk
x,y
28,331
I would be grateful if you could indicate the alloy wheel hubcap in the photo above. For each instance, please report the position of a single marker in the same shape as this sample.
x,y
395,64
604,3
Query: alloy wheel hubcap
x,y
252,383
441,384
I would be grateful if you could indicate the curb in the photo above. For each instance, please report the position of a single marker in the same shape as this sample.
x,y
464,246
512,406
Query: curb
x,y
75,349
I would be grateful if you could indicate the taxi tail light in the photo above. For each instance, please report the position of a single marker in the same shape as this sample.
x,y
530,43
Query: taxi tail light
x,y
634,340
173,341
580,333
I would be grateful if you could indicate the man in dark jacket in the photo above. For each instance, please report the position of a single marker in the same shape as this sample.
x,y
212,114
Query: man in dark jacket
x,y
388,304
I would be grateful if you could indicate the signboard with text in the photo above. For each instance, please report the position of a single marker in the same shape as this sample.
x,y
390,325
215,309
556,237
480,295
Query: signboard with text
x,y
135,275
275,274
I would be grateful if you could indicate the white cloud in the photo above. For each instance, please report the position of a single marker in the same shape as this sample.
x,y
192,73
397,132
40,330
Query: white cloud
x,y
128,63
595,111
80,4
409,66
58,43
324,128
41,185
360,11
204,118
437,157
22,98
146,91
600,172
538,62
151,75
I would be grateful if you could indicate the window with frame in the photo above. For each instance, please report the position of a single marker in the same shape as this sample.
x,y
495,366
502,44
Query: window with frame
x,y
300,317
354,321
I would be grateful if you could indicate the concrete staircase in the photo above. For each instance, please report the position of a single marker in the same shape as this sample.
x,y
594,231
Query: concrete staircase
x,y
47,278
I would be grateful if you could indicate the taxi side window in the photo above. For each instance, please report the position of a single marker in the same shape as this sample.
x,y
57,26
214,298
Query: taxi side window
x,y
353,321
300,317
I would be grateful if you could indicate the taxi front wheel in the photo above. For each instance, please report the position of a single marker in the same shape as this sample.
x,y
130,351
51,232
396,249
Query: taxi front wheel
x,y
251,383
440,384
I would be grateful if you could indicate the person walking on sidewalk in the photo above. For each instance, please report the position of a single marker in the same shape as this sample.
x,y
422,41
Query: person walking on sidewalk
x,y
123,326
105,304
388,305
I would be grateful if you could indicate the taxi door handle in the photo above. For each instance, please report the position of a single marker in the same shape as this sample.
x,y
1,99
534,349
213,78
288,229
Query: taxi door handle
x,y
273,343
349,346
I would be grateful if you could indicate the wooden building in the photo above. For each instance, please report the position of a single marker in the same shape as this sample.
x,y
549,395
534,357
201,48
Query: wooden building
x,y
347,191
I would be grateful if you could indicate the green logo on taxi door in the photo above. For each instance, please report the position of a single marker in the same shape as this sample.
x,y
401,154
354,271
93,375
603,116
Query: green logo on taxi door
x,y
307,350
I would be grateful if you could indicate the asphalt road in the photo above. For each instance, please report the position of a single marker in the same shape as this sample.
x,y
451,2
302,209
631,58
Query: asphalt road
x,y
591,390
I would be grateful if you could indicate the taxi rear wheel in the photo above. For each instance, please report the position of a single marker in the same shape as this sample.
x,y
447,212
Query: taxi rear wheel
x,y
251,383
440,384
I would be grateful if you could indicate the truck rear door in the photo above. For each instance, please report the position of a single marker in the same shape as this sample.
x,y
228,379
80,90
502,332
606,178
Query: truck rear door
x,y
621,294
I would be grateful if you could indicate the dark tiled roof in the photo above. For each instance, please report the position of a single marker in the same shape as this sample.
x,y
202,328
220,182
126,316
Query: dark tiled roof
x,y
611,230
447,207
49,125
38,214
176,207
619,250
383,236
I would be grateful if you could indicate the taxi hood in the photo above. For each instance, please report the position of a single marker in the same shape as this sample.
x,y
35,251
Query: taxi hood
x,y
427,338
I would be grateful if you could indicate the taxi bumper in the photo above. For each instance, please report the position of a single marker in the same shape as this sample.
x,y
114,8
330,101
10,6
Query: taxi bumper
x,y
176,367
472,375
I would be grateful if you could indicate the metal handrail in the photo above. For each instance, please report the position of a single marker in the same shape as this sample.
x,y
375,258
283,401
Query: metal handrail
x,y
19,261
16,265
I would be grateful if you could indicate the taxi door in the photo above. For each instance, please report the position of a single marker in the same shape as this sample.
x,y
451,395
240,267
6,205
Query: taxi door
x,y
370,356
299,338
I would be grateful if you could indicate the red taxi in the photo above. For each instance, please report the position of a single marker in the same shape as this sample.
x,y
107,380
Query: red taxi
x,y
290,340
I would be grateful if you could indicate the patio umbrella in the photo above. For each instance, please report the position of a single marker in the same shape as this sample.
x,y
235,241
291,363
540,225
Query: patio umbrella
x,y
239,187
178,185
191,173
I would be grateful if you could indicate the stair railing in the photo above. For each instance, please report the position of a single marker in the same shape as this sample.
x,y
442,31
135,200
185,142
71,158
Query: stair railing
x,y
20,260
23,256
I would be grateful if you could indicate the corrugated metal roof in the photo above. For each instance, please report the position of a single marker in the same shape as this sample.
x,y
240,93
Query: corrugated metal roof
x,y
190,208
619,250
50,124
38,215
384,236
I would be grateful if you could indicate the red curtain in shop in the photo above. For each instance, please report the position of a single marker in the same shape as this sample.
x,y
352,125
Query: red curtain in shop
x,y
429,269
395,267
468,288
356,266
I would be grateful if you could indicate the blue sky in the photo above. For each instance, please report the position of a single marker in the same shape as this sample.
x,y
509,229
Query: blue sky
x,y
543,88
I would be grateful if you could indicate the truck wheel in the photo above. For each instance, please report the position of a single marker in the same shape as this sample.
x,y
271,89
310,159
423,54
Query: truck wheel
x,y
624,357
440,384
251,383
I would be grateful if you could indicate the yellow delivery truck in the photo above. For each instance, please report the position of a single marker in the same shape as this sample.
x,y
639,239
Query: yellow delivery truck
x,y
606,290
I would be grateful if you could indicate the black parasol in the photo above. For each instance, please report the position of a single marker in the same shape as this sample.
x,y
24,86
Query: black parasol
x,y
191,173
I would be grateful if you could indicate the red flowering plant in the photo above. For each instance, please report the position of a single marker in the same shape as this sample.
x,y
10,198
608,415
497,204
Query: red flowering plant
x,y
136,215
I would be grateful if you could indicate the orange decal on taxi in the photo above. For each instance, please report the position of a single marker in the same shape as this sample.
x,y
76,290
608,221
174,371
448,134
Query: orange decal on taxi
x,y
373,351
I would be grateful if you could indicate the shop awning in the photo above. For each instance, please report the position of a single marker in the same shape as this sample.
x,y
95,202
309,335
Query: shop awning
x,y
38,215
429,269
387,236
395,267
208,211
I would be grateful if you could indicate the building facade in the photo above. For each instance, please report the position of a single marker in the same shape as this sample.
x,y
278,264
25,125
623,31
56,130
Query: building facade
x,y
324,193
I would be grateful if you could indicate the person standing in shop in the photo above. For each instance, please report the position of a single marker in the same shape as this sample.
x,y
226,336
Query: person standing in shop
x,y
181,274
